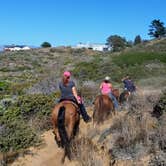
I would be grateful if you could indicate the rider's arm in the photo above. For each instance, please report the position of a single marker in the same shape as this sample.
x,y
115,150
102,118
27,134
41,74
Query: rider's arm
x,y
123,79
75,93
101,86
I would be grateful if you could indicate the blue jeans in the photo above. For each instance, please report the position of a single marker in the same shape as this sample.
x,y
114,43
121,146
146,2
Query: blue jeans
x,y
113,98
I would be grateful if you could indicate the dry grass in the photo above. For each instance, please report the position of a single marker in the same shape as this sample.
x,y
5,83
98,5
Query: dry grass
x,y
86,153
135,134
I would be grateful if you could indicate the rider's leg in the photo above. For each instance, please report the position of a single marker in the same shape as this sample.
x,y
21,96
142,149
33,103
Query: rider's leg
x,y
113,98
84,114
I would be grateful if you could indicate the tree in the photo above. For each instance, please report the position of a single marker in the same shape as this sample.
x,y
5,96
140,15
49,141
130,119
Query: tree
x,y
129,43
45,44
116,42
157,29
137,40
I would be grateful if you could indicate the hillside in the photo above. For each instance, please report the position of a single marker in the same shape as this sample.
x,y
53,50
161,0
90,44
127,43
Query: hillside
x,y
28,92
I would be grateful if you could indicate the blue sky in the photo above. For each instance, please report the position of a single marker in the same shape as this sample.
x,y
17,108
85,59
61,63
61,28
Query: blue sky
x,y
67,22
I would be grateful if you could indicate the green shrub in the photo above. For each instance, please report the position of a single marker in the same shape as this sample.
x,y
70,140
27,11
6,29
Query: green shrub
x,y
17,135
30,107
3,85
35,104
85,71
132,58
134,64
21,121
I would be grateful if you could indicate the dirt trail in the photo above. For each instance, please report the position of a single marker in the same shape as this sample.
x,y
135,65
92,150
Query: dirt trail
x,y
50,155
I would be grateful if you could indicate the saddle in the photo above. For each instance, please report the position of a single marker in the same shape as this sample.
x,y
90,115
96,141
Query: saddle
x,y
70,102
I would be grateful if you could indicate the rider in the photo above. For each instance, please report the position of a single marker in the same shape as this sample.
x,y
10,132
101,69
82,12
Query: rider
x,y
69,92
106,89
129,84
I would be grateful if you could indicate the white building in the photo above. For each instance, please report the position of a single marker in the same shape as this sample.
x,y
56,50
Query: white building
x,y
15,48
95,47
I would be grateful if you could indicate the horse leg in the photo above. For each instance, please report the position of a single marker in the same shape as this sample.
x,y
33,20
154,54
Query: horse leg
x,y
57,137
70,134
76,128
63,158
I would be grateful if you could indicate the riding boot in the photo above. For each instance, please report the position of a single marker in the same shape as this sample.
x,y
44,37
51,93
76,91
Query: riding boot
x,y
84,114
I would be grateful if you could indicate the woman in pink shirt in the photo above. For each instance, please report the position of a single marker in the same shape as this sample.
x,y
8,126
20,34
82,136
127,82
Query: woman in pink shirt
x,y
106,89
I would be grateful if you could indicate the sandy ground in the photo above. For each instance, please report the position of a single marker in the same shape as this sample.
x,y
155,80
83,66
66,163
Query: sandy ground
x,y
50,155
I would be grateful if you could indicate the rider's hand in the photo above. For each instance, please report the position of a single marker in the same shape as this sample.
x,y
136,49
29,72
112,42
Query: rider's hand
x,y
79,102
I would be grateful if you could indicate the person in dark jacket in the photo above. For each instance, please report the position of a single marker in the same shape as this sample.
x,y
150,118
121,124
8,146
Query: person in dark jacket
x,y
129,84
68,92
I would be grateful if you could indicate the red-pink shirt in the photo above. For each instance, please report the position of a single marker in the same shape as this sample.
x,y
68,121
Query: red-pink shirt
x,y
106,88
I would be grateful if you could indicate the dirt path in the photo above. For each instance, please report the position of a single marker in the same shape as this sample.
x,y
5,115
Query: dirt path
x,y
49,154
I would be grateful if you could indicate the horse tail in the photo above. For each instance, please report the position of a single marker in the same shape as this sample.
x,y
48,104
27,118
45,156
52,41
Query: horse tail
x,y
62,131
100,109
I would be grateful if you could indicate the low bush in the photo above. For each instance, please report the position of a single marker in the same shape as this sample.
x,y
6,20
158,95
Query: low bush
x,y
134,64
132,58
29,106
23,120
16,135
85,152
3,86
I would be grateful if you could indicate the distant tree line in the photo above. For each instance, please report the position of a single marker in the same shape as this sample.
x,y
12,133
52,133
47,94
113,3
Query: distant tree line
x,y
118,43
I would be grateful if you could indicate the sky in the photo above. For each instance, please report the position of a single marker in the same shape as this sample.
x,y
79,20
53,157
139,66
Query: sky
x,y
68,22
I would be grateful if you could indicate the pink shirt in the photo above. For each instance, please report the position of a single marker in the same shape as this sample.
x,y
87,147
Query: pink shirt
x,y
105,88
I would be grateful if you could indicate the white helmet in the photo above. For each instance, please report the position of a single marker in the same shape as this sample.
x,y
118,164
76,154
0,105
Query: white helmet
x,y
107,78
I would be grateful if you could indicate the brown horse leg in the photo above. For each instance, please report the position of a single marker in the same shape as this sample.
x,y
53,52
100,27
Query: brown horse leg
x,y
70,128
57,137
70,134
76,127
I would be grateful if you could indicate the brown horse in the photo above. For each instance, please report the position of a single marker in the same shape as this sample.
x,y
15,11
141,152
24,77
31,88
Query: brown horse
x,y
121,97
103,107
65,120
124,97
116,93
